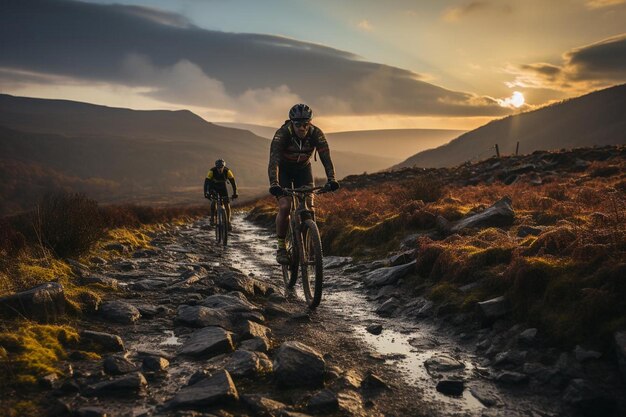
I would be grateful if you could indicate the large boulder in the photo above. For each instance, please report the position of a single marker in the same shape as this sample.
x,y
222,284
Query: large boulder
x,y
500,214
125,385
244,363
44,303
494,308
207,342
218,389
388,275
298,365
235,302
232,281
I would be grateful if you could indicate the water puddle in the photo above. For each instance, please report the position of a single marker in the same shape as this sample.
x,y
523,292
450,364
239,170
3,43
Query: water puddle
x,y
402,345
171,339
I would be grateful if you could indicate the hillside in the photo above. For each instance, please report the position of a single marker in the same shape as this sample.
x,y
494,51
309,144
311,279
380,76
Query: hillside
x,y
594,119
114,155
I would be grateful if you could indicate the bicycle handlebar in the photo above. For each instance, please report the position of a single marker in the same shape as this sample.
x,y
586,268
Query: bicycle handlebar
x,y
306,190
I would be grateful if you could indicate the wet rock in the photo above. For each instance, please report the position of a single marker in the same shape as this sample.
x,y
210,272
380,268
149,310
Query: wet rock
x,y
590,400
119,312
105,341
97,260
68,387
232,281
262,406
118,365
117,247
209,341
485,395
155,364
218,389
234,302
298,365
128,384
584,355
350,379
43,303
49,381
511,378
90,412
388,275
569,366
332,262
386,292
510,357
149,311
244,363
251,330
274,310
451,387
200,316
256,344
388,307
442,363
401,258
620,349
323,402
375,329
184,285
148,284
350,404
541,373
527,337
494,308
372,382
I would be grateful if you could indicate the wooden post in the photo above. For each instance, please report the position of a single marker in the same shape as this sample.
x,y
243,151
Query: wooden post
x,y
517,148
497,151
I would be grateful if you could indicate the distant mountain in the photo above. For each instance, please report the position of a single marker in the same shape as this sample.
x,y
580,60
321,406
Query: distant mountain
x,y
262,131
595,119
116,154
391,143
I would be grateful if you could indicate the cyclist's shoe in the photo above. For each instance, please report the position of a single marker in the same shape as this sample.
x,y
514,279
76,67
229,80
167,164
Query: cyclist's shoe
x,y
282,257
230,227
212,223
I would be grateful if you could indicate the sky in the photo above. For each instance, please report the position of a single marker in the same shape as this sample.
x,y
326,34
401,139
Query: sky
x,y
360,64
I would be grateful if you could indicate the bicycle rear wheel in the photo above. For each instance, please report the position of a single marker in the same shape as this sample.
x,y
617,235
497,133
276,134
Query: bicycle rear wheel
x,y
218,233
223,226
312,267
290,272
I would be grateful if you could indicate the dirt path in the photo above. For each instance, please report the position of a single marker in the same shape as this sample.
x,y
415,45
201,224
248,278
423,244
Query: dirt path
x,y
186,267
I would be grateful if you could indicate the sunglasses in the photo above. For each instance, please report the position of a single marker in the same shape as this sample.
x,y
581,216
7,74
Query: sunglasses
x,y
298,125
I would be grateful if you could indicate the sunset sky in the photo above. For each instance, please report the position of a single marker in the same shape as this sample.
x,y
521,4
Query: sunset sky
x,y
361,64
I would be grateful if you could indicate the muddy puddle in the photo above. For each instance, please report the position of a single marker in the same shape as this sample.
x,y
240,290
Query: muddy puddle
x,y
401,344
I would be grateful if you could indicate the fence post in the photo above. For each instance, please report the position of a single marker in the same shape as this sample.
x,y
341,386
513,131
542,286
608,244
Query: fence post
x,y
497,151
517,148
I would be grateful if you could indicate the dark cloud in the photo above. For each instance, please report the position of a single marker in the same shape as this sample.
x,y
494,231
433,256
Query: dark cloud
x,y
605,60
180,63
600,64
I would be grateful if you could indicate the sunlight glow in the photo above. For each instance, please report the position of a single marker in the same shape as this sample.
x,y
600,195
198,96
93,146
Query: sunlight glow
x,y
516,100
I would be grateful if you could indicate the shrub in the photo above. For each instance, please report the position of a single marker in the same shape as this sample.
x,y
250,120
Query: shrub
x,y
423,188
68,224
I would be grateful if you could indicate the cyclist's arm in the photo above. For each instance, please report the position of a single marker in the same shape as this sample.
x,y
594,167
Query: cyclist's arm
x,y
231,179
208,183
276,149
324,152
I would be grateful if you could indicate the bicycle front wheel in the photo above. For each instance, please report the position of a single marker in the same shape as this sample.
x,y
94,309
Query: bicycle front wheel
x,y
312,267
218,233
290,272
223,226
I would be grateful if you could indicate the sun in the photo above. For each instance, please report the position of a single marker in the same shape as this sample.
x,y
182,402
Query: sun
x,y
517,99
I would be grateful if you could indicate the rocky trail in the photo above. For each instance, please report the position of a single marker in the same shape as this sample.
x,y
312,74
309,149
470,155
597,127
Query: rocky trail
x,y
198,329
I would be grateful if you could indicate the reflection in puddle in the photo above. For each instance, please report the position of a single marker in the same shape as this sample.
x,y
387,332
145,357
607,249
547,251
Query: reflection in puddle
x,y
171,340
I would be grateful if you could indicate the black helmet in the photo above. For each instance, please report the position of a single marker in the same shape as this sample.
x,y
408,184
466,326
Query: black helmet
x,y
220,163
300,112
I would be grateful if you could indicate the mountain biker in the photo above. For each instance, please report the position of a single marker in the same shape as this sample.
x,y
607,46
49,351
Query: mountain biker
x,y
215,183
290,162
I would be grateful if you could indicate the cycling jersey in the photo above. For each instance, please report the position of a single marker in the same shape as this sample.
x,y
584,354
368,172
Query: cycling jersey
x,y
289,151
217,181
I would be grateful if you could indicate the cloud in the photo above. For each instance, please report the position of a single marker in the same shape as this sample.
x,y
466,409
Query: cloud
x,y
600,64
177,62
597,4
454,14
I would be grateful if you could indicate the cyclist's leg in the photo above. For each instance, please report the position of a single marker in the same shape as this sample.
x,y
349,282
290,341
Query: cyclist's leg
x,y
282,217
304,177
213,204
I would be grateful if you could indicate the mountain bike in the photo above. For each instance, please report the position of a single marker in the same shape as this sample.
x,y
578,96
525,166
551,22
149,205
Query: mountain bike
x,y
304,246
221,223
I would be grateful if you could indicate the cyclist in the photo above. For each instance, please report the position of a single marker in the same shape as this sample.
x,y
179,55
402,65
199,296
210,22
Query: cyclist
x,y
290,162
215,183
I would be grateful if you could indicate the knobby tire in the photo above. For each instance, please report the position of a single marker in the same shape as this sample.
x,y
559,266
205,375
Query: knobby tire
x,y
312,266
290,272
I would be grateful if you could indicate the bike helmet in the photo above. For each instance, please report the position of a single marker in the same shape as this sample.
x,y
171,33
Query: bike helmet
x,y
220,163
300,112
